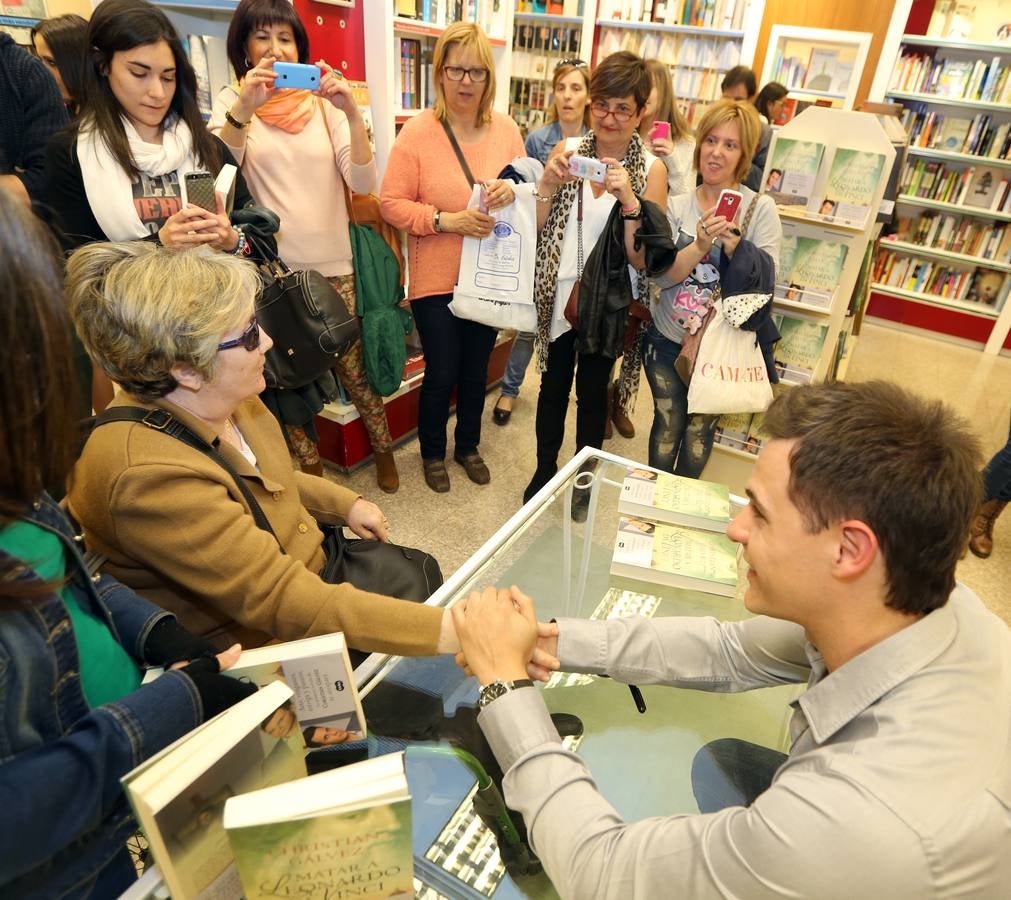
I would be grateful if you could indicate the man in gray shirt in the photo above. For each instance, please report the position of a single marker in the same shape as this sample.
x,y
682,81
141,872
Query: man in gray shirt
x,y
898,780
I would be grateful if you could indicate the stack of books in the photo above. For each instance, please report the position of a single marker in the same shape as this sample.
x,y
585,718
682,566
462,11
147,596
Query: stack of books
x,y
671,531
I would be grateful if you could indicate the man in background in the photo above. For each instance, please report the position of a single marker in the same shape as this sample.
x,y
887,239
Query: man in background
x,y
898,780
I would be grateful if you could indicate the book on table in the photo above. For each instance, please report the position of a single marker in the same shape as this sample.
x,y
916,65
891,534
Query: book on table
x,y
179,795
339,834
319,672
689,558
664,497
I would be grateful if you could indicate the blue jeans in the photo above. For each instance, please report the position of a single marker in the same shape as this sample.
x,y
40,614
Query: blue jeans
x,y
675,435
997,474
519,359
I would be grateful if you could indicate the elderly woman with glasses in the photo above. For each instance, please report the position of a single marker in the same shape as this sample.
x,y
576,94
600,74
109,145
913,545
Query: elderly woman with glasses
x,y
572,214
438,156
171,520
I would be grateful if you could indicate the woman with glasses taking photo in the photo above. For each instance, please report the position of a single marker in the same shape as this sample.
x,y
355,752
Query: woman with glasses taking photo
x,y
568,117
572,214
437,158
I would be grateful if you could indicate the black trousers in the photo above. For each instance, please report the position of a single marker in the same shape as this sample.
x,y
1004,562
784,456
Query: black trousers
x,y
456,356
592,374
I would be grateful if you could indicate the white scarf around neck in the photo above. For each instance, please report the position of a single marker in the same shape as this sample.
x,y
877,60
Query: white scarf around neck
x,y
108,185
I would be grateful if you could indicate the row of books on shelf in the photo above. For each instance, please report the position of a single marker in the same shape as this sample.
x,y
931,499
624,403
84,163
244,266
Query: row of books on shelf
x,y
230,811
528,96
551,7
671,530
976,136
981,187
821,69
836,187
673,48
981,285
922,73
490,14
538,48
957,234
723,14
414,83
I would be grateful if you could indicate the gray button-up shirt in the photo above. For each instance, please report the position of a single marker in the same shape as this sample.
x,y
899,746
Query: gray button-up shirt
x,y
898,782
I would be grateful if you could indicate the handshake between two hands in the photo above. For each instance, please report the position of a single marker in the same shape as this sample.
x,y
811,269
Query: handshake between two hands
x,y
501,639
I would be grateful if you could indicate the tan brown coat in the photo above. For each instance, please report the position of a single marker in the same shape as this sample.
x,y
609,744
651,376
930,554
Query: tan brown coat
x,y
175,528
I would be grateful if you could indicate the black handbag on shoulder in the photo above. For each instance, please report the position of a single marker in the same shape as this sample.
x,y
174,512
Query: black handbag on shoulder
x,y
306,319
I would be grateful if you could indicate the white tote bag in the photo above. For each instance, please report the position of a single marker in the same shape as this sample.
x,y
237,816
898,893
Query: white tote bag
x,y
496,281
729,374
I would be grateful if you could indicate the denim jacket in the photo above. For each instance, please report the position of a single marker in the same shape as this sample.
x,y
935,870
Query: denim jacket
x,y
63,814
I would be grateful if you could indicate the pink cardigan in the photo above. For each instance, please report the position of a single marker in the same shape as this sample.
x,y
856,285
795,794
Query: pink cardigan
x,y
300,177
423,175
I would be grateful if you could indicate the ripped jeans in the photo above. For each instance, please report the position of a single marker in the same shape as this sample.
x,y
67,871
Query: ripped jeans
x,y
675,435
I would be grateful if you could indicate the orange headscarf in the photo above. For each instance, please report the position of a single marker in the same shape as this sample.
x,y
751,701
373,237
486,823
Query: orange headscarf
x,y
289,110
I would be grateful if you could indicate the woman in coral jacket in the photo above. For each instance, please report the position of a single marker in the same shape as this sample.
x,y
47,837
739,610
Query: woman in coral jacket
x,y
425,192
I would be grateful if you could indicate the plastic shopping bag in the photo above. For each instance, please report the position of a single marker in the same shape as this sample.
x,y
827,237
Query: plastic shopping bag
x,y
730,374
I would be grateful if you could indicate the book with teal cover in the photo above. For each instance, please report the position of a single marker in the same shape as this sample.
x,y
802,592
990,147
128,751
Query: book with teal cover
x,y
688,558
672,498
341,834
853,180
809,270
799,349
792,170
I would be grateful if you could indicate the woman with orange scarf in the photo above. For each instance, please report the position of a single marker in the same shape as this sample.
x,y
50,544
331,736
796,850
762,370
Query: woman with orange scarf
x,y
298,149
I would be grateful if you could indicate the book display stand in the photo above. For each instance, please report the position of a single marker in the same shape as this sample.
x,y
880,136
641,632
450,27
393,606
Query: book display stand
x,y
828,202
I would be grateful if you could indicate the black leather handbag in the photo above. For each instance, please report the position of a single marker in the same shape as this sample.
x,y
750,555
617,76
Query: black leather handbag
x,y
307,320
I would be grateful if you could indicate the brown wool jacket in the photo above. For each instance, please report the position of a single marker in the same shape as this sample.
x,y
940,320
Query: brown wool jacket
x,y
175,528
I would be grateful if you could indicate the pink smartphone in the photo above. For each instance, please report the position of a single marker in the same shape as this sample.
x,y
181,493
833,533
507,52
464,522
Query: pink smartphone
x,y
728,204
660,131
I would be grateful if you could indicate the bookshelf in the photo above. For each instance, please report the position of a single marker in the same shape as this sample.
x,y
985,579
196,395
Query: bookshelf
x,y
399,56
539,40
821,260
948,267
817,64
697,42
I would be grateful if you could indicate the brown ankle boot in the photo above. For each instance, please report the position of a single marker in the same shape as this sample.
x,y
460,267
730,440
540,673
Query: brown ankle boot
x,y
315,468
981,530
386,471
622,422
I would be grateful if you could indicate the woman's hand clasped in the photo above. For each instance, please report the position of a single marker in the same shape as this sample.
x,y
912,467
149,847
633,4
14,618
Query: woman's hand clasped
x,y
497,194
661,147
333,87
710,227
193,226
468,222
617,183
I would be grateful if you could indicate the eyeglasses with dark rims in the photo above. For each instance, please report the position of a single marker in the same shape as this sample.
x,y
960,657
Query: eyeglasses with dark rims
x,y
249,339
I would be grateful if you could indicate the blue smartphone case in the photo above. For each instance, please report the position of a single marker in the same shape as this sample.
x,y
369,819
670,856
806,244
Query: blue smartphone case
x,y
296,75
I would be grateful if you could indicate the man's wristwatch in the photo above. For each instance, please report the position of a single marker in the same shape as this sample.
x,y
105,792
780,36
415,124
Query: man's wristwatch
x,y
499,689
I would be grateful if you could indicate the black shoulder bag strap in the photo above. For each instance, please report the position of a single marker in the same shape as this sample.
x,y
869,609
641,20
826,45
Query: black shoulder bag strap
x,y
162,420
458,151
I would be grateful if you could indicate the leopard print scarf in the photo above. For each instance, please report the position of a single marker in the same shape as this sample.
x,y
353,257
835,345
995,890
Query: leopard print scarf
x,y
549,244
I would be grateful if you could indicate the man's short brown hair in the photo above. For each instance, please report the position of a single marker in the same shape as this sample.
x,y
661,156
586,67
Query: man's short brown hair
x,y
906,466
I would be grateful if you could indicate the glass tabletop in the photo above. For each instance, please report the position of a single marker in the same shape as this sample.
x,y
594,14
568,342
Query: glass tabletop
x,y
641,762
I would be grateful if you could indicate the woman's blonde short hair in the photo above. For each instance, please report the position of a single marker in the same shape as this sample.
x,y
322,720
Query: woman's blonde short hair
x,y
466,35
141,309
749,128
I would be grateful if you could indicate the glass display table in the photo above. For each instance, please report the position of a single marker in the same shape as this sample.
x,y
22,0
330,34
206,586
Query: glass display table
x,y
641,762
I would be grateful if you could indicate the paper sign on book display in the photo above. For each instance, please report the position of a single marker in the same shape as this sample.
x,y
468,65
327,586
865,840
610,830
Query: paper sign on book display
x,y
664,497
792,171
339,834
809,270
849,192
688,558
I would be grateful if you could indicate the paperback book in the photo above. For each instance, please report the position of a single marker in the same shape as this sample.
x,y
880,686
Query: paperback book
x,y
318,671
732,430
809,270
670,498
339,834
853,181
689,558
792,171
799,349
179,795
